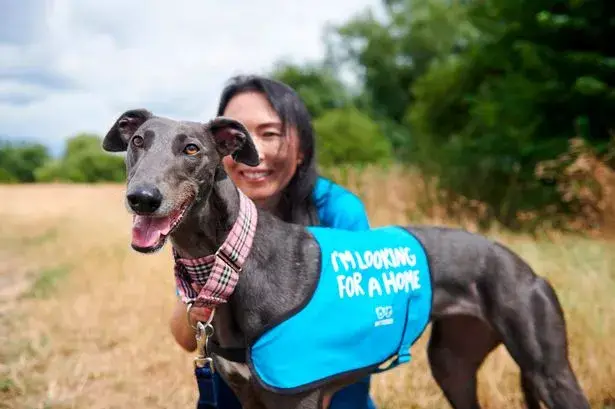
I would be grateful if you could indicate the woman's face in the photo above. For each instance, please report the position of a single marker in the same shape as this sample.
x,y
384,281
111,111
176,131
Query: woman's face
x,y
279,152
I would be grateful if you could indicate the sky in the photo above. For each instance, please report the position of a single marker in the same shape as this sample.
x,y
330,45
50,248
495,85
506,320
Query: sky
x,y
70,66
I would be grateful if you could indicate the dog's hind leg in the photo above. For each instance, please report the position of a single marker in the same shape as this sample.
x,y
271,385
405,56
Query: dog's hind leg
x,y
534,331
457,347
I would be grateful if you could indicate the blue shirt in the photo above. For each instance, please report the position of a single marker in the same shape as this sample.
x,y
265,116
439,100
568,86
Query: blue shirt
x,y
338,207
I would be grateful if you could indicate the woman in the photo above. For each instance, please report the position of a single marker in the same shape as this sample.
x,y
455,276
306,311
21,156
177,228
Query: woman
x,y
286,184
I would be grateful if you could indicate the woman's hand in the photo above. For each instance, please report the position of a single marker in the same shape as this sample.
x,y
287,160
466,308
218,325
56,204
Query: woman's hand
x,y
182,330
199,314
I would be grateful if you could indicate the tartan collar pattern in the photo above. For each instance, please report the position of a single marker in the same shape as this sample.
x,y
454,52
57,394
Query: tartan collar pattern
x,y
210,280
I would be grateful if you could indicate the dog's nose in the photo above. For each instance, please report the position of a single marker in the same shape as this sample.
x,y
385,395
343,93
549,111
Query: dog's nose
x,y
144,199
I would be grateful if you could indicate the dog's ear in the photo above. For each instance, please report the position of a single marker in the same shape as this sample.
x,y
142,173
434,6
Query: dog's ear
x,y
122,130
233,138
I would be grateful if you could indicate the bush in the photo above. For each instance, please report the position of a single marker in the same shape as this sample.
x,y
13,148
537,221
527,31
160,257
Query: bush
x,y
19,161
348,136
84,162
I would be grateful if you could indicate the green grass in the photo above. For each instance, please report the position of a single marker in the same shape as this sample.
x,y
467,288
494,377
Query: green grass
x,y
47,280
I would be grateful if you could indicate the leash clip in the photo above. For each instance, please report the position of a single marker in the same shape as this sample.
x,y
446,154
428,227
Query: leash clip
x,y
203,332
204,368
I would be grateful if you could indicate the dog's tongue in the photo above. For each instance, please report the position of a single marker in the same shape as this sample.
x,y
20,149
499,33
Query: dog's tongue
x,y
146,230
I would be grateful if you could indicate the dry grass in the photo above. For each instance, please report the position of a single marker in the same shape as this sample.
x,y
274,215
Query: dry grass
x,y
84,318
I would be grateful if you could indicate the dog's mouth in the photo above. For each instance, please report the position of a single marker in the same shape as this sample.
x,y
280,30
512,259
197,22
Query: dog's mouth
x,y
149,233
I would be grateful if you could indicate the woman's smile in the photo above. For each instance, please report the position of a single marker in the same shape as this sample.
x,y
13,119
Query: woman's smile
x,y
255,176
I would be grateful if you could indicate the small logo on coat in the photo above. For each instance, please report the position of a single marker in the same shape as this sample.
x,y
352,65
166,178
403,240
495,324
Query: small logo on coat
x,y
384,315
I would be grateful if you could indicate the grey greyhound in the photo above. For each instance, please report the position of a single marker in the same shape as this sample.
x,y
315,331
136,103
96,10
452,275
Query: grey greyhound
x,y
483,293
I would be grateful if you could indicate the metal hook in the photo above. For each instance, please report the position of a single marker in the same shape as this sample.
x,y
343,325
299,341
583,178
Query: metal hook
x,y
203,332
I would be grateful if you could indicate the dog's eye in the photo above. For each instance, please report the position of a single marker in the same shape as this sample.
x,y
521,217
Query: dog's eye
x,y
137,141
191,149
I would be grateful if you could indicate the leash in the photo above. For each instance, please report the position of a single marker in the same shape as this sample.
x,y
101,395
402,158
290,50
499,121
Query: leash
x,y
204,364
209,281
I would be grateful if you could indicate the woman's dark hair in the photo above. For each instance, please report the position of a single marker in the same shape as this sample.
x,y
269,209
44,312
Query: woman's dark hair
x,y
296,204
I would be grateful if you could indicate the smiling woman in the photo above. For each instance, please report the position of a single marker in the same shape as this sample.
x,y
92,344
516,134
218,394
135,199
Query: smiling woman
x,y
281,127
278,150
285,183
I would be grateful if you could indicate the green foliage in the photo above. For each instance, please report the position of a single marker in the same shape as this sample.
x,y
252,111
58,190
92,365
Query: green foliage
x,y
317,86
392,52
7,177
533,80
345,135
480,94
83,162
348,136
389,54
19,161
47,281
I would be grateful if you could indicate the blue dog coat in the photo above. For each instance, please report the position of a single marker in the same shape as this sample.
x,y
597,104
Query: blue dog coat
x,y
371,303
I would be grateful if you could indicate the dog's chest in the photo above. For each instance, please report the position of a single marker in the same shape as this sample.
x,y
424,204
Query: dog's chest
x,y
371,302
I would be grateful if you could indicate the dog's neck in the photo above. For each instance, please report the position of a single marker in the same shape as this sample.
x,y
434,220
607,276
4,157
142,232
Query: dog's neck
x,y
209,222
202,234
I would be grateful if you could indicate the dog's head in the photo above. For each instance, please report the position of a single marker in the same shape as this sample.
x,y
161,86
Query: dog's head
x,y
171,164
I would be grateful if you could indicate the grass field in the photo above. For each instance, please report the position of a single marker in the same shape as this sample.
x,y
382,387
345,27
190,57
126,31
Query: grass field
x,y
83,318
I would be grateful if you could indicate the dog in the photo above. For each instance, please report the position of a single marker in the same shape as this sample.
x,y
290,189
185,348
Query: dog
x,y
477,294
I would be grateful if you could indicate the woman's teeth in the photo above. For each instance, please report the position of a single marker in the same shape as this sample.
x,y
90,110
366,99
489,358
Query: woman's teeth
x,y
255,175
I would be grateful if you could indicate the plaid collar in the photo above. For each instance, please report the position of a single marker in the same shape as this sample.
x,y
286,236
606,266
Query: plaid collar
x,y
217,274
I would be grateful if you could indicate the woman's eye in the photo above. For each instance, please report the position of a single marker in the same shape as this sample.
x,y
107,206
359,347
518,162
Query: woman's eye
x,y
137,141
270,134
191,149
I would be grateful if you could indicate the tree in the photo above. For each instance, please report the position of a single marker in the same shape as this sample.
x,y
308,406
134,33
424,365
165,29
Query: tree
x,y
317,86
84,161
19,161
391,53
539,74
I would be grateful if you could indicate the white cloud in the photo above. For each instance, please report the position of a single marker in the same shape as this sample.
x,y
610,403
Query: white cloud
x,y
85,61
